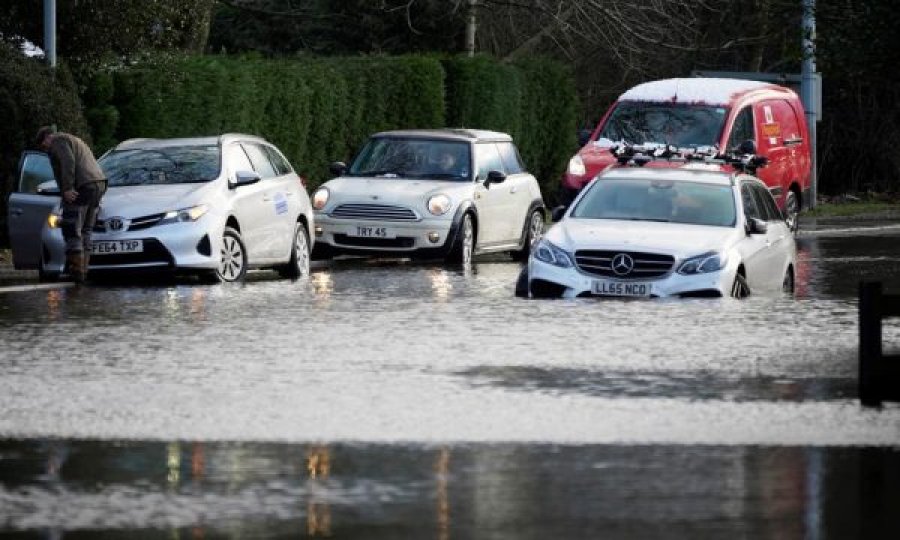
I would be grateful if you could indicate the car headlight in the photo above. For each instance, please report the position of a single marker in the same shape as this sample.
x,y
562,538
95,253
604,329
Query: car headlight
x,y
703,264
186,214
438,204
576,166
551,254
320,198
54,220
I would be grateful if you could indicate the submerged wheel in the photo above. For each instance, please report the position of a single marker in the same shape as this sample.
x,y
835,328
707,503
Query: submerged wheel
x,y
787,285
298,265
532,235
233,265
792,211
740,289
465,243
44,275
522,283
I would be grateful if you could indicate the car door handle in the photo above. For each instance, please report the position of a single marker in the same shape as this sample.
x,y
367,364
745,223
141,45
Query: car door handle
x,y
513,189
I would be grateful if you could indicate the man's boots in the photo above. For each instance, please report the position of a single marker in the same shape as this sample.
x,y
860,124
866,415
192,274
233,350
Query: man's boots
x,y
75,261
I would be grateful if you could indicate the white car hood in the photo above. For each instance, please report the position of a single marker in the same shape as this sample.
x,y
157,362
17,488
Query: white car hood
x,y
136,201
676,239
389,190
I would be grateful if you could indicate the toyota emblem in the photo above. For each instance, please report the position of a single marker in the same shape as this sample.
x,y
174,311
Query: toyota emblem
x,y
115,224
622,264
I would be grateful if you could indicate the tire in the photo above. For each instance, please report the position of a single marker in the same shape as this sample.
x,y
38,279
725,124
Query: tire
x,y
788,285
464,244
46,276
792,212
522,283
298,265
740,289
233,265
535,228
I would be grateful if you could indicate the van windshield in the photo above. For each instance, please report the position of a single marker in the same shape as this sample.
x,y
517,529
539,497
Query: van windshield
x,y
681,125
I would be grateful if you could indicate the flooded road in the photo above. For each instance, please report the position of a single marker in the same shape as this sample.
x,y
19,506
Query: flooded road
x,y
389,399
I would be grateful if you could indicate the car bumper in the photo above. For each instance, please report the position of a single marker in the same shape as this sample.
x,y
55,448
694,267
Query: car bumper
x,y
187,246
427,236
553,281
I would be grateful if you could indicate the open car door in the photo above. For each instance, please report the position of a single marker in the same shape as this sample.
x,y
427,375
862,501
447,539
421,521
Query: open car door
x,y
35,197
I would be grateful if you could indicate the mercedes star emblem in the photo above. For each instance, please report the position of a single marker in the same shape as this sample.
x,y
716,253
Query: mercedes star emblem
x,y
622,264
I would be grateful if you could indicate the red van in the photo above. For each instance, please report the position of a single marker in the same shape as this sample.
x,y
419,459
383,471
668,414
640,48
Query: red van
x,y
702,112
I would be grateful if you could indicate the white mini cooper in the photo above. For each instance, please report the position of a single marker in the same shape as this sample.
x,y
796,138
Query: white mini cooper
x,y
448,193
658,232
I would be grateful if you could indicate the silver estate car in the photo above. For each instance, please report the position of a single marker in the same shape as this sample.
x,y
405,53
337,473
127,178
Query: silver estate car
x,y
213,206
447,193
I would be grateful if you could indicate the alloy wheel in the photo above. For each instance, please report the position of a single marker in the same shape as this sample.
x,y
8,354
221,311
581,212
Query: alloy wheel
x,y
468,240
232,266
301,248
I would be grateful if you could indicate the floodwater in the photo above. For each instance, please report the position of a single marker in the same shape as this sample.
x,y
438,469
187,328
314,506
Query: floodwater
x,y
388,399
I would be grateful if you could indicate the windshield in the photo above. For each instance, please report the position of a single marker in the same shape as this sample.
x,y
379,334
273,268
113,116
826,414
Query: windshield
x,y
414,158
658,200
683,126
166,165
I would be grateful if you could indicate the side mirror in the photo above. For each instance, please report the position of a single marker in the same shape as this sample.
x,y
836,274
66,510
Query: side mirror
x,y
245,178
338,168
557,213
48,188
584,135
747,147
756,226
494,177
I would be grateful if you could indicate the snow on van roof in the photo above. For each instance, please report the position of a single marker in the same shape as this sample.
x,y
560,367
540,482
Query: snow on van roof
x,y
695,90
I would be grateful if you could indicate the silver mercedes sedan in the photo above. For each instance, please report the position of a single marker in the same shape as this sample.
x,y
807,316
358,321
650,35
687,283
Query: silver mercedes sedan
x,y
212,206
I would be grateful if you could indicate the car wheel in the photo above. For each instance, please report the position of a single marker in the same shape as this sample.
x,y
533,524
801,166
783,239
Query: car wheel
x,y
522,283
787,285
298,265
792,212
535,230
465,243
740,289
233,266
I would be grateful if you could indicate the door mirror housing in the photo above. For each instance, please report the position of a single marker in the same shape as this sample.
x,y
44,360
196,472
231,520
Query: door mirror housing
x,y
494,177
756,226
48,188
338,168
557,213
245,178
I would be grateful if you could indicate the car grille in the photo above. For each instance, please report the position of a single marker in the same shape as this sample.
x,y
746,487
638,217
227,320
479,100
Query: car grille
x,y
646,265
154,253
399,242
138,223
377,212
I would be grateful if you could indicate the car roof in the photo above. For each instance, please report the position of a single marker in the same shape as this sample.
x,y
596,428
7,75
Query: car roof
x,y
187,141
694,172
459,134
699,90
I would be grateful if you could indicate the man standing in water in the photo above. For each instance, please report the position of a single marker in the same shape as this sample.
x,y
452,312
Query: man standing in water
x,y
82,184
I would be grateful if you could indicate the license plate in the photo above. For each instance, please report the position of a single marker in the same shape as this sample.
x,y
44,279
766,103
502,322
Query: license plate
x,y
621,288
371,232
108,247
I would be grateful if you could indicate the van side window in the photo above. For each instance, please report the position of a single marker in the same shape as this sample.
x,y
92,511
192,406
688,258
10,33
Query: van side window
x,y
511,159
488,159
742,129
260,160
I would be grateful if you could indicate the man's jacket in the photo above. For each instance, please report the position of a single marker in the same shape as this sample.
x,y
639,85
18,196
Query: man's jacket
x,y
73,162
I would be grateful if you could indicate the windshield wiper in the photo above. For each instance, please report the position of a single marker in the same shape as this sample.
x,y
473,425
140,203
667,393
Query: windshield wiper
x,y
440,175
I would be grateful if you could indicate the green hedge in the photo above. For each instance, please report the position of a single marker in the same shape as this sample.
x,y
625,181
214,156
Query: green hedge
x,y
321,110
31,97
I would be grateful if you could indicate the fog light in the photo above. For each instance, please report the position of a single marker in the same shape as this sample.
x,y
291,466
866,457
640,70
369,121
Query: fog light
x,y
318,230
433,237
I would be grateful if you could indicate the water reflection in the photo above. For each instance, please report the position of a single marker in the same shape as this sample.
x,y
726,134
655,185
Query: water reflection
x,y
498,491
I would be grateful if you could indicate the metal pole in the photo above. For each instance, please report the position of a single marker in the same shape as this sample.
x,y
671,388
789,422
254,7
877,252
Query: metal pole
x,y
50,32
808,92
470,28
